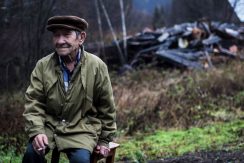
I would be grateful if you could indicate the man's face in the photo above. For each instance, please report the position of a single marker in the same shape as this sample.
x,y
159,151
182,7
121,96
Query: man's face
x,y
67,42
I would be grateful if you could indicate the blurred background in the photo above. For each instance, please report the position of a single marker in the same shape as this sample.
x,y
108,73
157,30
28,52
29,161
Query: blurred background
x,y
24,38
174,64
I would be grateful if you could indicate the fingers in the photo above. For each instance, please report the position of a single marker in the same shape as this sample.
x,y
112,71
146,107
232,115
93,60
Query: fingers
x,y
45,140
104,151
37,149
39,143
97,149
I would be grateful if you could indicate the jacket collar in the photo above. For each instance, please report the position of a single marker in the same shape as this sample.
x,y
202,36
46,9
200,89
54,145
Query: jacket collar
x,y
82,65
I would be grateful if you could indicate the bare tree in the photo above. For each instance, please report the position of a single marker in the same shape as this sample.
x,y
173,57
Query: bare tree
x,y
124,28
121,56
22,39
101,44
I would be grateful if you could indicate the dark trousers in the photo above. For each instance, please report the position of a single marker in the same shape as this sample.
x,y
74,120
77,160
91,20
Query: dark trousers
x,y
74,155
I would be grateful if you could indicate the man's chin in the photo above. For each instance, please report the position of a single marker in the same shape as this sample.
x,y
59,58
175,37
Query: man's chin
x,y
62,54
62,51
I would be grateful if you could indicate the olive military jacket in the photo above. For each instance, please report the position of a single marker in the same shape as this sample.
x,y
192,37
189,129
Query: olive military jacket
x,y
82,117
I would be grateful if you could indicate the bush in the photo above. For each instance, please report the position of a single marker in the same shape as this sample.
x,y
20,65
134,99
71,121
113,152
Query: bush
x,y
150,99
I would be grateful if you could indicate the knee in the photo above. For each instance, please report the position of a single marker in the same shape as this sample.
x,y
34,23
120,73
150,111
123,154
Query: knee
x,y
80,159
31,156
80,156
30,150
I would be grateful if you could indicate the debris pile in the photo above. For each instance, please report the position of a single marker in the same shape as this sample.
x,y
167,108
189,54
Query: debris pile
x,y
197,45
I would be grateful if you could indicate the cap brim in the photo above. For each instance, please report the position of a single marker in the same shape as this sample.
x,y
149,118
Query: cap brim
x,y
54,27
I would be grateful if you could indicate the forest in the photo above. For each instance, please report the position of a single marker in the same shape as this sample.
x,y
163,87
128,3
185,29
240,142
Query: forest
x,y
167,111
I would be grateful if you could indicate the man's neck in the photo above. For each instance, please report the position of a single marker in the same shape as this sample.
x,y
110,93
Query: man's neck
x,y
71,66
69,58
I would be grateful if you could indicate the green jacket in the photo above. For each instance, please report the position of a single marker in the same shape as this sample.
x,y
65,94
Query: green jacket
x,y
82,117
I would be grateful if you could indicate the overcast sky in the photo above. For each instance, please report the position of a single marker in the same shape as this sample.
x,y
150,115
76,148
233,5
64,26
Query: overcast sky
x,y
239,8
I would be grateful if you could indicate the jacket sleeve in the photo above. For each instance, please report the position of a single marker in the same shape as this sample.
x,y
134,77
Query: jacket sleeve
x,y
34,113
104,102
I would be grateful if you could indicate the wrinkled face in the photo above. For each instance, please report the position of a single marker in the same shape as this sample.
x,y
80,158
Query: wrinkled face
x,y
67,42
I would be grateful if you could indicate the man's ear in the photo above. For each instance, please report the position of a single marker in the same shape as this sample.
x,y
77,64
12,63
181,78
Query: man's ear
x,y
82,37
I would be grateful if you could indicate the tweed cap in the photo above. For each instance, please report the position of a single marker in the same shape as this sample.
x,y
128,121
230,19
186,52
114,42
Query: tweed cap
x,y
67,22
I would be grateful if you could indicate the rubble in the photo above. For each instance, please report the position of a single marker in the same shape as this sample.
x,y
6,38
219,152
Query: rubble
x,y
188,45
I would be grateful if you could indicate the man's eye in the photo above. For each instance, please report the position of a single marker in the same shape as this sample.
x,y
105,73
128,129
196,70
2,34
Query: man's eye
x,y
67,34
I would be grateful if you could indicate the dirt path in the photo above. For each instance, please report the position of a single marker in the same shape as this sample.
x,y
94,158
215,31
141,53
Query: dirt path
x,y
207,157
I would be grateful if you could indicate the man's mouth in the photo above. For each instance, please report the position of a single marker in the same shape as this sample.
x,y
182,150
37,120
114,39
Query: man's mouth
x,y
62,46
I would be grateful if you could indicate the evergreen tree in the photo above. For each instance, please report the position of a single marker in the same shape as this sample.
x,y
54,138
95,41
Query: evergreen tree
x,y
158,20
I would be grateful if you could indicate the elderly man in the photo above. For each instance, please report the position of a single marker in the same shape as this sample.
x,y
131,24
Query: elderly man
x,y
69,102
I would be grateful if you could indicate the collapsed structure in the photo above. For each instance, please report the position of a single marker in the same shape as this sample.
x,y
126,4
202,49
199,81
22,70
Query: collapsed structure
x,y
197,45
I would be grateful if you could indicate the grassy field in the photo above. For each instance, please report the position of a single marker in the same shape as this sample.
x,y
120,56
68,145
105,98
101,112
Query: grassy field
x,y
168,143
173,142
160,113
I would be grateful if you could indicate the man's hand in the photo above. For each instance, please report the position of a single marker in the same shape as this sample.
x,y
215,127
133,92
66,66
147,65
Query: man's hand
x,y
102,150
40,143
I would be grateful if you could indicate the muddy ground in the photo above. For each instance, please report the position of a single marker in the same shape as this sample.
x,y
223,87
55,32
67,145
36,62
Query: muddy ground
x,y
206,157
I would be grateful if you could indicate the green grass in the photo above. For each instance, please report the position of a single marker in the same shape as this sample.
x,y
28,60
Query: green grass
x,y
167,143
177,142
11,157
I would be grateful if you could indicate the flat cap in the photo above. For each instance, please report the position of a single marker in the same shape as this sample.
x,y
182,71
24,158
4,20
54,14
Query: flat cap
x,y
67,22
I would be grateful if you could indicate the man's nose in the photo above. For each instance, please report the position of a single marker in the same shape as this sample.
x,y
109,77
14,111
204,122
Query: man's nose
x,y
60,39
